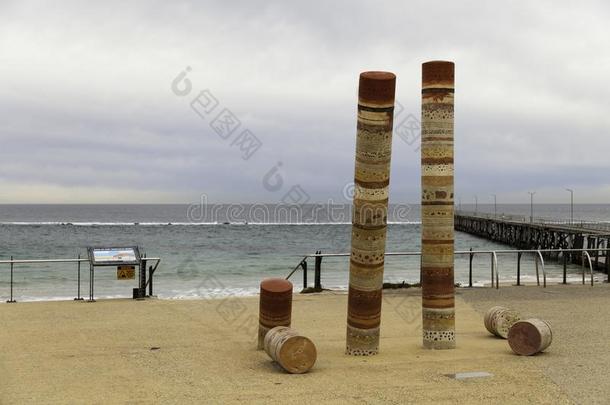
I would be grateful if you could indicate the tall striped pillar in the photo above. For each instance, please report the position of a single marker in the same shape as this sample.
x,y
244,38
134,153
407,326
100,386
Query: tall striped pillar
x,y
438,302
372,179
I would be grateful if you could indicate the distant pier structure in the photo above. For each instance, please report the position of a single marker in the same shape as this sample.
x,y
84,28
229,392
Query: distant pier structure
x,y
533,233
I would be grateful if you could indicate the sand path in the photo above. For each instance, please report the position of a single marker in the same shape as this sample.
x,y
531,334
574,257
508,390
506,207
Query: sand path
x,y
120,351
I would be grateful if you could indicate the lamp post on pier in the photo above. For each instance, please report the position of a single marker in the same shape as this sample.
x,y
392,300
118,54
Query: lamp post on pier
x,y
531,193
476,204
495,205
571,205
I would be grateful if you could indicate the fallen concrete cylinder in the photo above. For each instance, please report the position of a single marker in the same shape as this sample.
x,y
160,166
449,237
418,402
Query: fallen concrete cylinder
x,y
295,353
498,320
275,306
437,234
530,336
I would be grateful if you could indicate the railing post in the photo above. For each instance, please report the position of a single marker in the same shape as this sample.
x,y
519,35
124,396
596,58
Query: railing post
x,y
91,282
597,242
492,270
537,273
494,258
11,301
150,281
607,261
78,297
304,267
142,287
470,268
318,271
582,264
565,269
519,268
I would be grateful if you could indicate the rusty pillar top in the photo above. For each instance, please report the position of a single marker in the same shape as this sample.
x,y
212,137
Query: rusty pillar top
x,y
276,285
438,72
377,87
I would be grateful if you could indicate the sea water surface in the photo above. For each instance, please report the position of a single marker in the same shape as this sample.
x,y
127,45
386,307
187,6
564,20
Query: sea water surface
x,y
224,250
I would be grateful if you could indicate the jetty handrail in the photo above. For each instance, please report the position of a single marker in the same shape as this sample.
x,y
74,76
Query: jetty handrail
x,y
538,259
17,261
297,266
460,252
144,260
585,253
22,261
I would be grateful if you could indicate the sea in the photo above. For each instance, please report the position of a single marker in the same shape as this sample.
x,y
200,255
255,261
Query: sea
x,y
219,250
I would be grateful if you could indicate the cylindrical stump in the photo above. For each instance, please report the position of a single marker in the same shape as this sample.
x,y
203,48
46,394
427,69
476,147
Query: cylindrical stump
x,y
498,320
275,306
438,302
372,179
530,336
295,353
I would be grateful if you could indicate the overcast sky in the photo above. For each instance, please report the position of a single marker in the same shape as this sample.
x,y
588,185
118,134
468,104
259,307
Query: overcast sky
x,y
89,111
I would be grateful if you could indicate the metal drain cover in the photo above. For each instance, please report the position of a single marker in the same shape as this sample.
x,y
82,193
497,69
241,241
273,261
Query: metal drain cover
x,y
470,374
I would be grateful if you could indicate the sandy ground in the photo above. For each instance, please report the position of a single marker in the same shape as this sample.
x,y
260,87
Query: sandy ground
x,y
124,351
579,357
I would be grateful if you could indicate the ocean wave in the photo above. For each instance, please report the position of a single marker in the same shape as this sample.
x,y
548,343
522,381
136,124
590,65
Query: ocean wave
x,y
47,298
60,223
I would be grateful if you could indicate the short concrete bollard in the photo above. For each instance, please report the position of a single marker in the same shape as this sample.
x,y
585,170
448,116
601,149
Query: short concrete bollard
x,y
530,336
295,353
498,320
275,306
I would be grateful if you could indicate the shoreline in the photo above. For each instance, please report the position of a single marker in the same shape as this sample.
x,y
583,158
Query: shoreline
x,y
526,280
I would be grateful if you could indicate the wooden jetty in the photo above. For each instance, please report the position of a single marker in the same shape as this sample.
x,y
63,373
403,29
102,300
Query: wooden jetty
x,y
537,233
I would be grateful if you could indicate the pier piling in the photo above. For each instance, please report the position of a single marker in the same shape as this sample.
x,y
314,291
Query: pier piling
x,y
11,300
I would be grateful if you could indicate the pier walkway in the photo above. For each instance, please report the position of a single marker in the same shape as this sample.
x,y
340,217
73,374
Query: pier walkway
x,y
540,233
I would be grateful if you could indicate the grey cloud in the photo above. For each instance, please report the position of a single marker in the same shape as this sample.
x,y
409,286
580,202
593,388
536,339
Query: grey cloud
x,y
82,79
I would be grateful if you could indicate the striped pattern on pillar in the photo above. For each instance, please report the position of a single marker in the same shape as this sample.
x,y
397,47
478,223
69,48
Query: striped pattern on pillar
x,y
372,178
438,303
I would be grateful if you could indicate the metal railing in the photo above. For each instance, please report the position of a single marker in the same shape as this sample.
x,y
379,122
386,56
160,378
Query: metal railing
x,y
495,274
12,262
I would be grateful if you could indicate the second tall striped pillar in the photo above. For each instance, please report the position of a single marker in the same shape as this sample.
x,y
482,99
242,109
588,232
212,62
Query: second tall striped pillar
x,y
372,178
438,302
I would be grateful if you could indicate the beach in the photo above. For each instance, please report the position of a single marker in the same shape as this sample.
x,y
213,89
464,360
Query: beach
x,y
177,351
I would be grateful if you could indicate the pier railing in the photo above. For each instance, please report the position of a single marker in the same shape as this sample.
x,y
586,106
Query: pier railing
x,y
578,224
145,261
586,264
